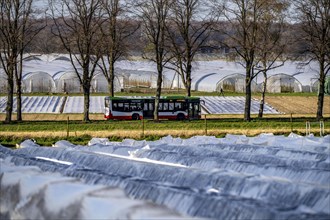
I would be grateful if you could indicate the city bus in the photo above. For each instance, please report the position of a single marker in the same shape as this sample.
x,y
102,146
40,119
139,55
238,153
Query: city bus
x,y
137,108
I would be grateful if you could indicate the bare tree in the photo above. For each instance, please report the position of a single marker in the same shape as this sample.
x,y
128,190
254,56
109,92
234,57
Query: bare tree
x,y
77,23
17,29
188,31
244,20
243,16
271,44
9,52
314,17
116,29
154,15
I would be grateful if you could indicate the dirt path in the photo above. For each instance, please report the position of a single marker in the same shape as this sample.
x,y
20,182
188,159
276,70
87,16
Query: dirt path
x,y
297,104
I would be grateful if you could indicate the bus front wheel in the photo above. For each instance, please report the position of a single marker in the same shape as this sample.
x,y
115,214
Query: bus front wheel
x,y
135,117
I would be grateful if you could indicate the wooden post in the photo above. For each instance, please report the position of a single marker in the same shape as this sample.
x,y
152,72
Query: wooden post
x,y
67,129
205,124
291,122
321,128
308,127
142,127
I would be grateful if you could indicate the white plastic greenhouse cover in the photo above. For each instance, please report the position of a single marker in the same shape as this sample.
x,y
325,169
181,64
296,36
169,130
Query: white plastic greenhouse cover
x,y
61,58
100,83
67,82
306,73
32,58
3,82
229,80
140,78
283,83
38,82
206,75
235,83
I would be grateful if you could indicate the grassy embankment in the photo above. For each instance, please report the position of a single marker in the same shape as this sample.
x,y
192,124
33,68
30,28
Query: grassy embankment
x,y
48,132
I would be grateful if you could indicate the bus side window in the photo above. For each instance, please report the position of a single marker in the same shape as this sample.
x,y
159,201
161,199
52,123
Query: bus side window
x,y
151,106
178,106
171,106
132,107
145,106
120,107
126,107
138,106
115,106
165,106
196,106
160,106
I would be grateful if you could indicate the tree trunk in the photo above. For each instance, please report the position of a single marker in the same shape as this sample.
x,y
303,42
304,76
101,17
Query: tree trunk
x,y
112,77
188,88
109,86
86,88
184,81
10,98
262,100
320,99
19,100
248,80
158,91
247,109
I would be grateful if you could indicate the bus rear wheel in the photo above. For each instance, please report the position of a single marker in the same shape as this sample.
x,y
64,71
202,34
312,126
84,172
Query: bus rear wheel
x,y
135,117
180,117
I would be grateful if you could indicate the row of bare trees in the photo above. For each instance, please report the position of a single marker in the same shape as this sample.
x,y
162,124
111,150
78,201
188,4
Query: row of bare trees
x,y
258,33
96,33
314,17
18,27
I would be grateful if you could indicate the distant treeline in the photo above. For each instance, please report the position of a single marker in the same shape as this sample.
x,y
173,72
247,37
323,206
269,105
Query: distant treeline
x,y
46,42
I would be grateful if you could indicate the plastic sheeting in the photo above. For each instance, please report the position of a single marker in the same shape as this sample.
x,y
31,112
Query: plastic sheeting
x,y
75,104
236,177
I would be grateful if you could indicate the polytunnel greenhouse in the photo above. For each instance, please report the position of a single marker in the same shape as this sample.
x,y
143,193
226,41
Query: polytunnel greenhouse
x,y
54,73
235,83
316,85
327,85
61,58
139,78
283,83
38,82
32,58
67,82
3,82
100,83
227,80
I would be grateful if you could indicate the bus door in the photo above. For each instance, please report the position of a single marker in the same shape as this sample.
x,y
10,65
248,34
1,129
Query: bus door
x,y
193,110
148,109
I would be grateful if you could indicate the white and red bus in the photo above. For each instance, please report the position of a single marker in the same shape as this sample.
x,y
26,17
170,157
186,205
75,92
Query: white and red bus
x,y
170,107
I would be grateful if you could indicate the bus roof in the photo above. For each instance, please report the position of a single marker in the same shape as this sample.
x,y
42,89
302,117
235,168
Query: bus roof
x,y
151,97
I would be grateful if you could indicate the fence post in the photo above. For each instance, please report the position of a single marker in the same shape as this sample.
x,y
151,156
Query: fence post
x,y
205,124
321,128
67,128
142,127
291,123
308,128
